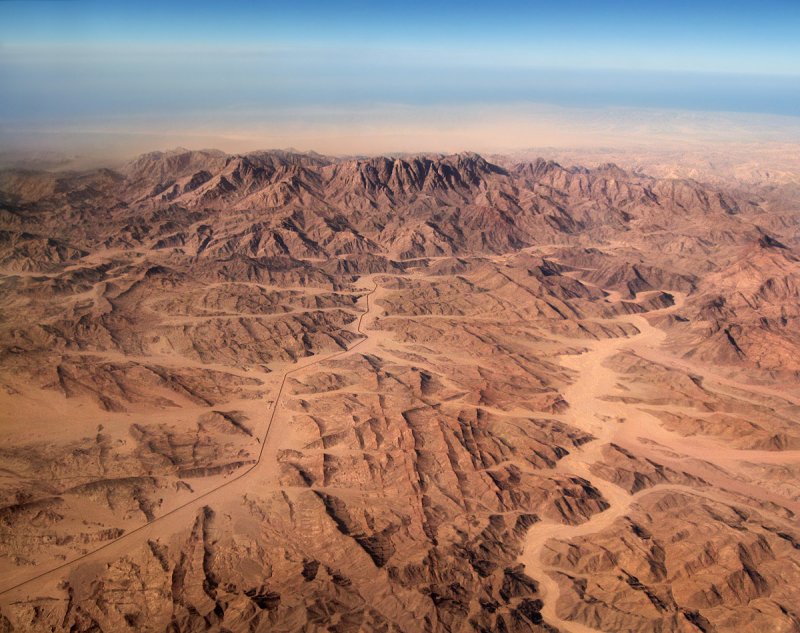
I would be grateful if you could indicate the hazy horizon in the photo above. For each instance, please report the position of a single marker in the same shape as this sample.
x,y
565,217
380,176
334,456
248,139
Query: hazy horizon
x,y
88,77
397,129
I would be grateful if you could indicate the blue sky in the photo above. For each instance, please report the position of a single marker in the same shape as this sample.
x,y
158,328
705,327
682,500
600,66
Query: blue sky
x,y
78,63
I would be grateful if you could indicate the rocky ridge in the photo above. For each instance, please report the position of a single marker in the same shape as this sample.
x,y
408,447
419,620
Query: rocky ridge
x,y
283,391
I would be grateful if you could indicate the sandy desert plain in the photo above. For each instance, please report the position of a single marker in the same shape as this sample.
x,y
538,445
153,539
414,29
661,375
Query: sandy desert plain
x,y
285,392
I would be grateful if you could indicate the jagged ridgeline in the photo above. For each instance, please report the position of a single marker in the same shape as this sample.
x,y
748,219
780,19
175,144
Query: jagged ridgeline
x,y
268,215
288,392
301,205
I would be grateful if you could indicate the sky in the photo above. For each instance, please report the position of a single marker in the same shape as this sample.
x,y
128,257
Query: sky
x,y
347,76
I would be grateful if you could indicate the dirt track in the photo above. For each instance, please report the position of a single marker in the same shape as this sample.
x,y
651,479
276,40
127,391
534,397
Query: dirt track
x,y
128,540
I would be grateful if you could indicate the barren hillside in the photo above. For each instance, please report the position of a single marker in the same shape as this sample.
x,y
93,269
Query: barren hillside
x,y
287,392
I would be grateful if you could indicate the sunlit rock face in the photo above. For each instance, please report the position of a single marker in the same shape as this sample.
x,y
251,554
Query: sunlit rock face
x,y
286,392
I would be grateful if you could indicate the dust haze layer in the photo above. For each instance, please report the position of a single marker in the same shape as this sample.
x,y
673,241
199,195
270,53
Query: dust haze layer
x,y
280,391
